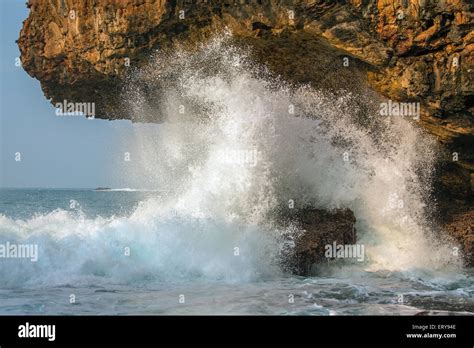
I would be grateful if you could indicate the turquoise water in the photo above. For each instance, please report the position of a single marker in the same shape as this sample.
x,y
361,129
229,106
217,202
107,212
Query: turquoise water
x,y
26,203
173,268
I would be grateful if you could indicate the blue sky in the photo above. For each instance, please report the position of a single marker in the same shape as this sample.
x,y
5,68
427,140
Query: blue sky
x,y
56,152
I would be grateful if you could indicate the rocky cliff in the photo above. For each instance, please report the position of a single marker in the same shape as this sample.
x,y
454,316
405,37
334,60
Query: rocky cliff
x,y
406,50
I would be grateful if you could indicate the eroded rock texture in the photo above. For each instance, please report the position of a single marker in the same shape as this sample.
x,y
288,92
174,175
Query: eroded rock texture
x,y
460,227
412,50
320,228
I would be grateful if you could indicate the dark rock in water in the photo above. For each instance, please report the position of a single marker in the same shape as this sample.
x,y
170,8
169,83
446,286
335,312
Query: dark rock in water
x,y
321,228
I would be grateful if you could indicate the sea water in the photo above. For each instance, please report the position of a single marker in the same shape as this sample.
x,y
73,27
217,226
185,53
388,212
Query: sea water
x,y
183,269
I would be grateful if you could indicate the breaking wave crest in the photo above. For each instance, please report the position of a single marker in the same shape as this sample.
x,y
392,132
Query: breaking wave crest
x,y
237,145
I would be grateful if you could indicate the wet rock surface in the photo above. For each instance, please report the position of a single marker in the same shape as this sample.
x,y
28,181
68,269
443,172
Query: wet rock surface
x,y
321,229
460,226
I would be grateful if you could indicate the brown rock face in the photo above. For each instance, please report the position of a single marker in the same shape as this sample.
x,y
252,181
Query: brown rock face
x,y
414,50
460,227
320,229
432,62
